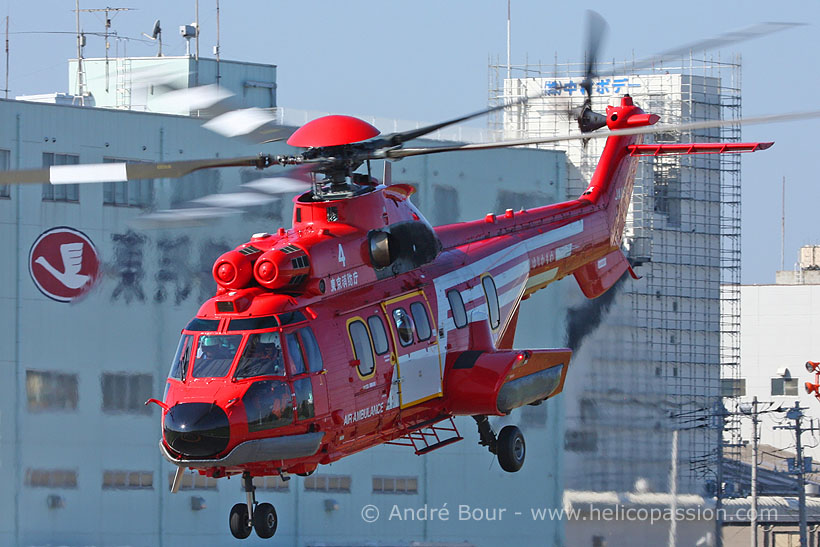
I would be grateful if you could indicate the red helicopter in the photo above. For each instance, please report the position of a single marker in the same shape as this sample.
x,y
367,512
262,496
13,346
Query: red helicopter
x,y
362,324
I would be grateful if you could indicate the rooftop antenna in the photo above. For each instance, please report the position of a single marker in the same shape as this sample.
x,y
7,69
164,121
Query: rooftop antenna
x,y
156,34
107,11
188,32
216,47
81,89
782,225
508,40
7,57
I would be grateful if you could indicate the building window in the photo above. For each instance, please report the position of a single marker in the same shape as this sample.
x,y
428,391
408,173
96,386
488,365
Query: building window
x,y
193,481
446,208
581,441
128,480
60,192
51,478
328,483
786,387
733,387
395,485
122,392
535,416
589,410
130,193
51,390
273,484
5,189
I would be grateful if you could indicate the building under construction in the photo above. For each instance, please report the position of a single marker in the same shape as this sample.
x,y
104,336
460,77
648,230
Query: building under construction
x,y
666,350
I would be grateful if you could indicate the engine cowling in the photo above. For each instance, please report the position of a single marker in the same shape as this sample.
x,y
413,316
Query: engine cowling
x,y
233,270
285,267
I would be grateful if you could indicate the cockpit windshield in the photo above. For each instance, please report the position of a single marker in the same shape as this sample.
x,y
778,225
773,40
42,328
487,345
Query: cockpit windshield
x,y
262,356
214,354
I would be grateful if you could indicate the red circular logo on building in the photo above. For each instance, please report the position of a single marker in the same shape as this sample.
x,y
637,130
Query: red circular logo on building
x,y
63,263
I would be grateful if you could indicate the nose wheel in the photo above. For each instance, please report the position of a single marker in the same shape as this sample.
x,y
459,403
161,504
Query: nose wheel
x,y
249,516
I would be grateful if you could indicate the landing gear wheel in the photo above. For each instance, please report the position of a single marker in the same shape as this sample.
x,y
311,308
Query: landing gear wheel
x,y
264,520
240,524
511,449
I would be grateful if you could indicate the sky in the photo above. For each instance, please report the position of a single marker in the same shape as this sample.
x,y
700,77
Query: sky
x,y
428,61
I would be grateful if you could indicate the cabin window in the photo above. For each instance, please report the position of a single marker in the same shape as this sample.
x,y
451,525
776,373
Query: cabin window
x,y
262,356
362,349
203,324
253,323
304,399
268,405
311,347
297,361
458,309
404,326
492,301
214,354
379,334
179,366
422,321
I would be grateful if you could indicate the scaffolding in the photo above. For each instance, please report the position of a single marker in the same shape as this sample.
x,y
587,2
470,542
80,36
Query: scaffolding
x,y
670,344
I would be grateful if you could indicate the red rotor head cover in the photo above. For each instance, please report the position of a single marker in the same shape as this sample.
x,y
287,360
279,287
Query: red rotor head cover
x,y
332,131
233,270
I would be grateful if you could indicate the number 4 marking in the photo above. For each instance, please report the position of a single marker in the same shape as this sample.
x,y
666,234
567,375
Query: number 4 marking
x,y
342,256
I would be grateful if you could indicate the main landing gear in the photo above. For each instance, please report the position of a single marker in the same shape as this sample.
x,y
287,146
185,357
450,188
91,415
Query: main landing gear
x,y
509,445
252,516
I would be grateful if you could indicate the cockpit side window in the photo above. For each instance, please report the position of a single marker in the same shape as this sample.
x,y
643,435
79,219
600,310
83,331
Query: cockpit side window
x,y
297,361
268,405
262,356
314,356
214,354
179,366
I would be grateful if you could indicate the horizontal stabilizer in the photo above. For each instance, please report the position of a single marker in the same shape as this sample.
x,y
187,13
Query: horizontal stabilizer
x,y
696,148
599,275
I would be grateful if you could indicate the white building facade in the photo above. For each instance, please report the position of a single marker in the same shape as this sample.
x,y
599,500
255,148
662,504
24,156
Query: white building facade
x,y
78,449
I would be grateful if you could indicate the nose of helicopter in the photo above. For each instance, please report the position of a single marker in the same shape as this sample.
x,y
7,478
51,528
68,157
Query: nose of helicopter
x,y
196,430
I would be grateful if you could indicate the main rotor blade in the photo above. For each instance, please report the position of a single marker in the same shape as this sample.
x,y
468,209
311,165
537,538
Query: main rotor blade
x,y
722,40
181,218
112,172
396,139
790,117
224,114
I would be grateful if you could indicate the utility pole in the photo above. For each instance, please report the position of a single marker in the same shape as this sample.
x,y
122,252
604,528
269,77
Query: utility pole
x,y
796,413
719,493
755,421
673,491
